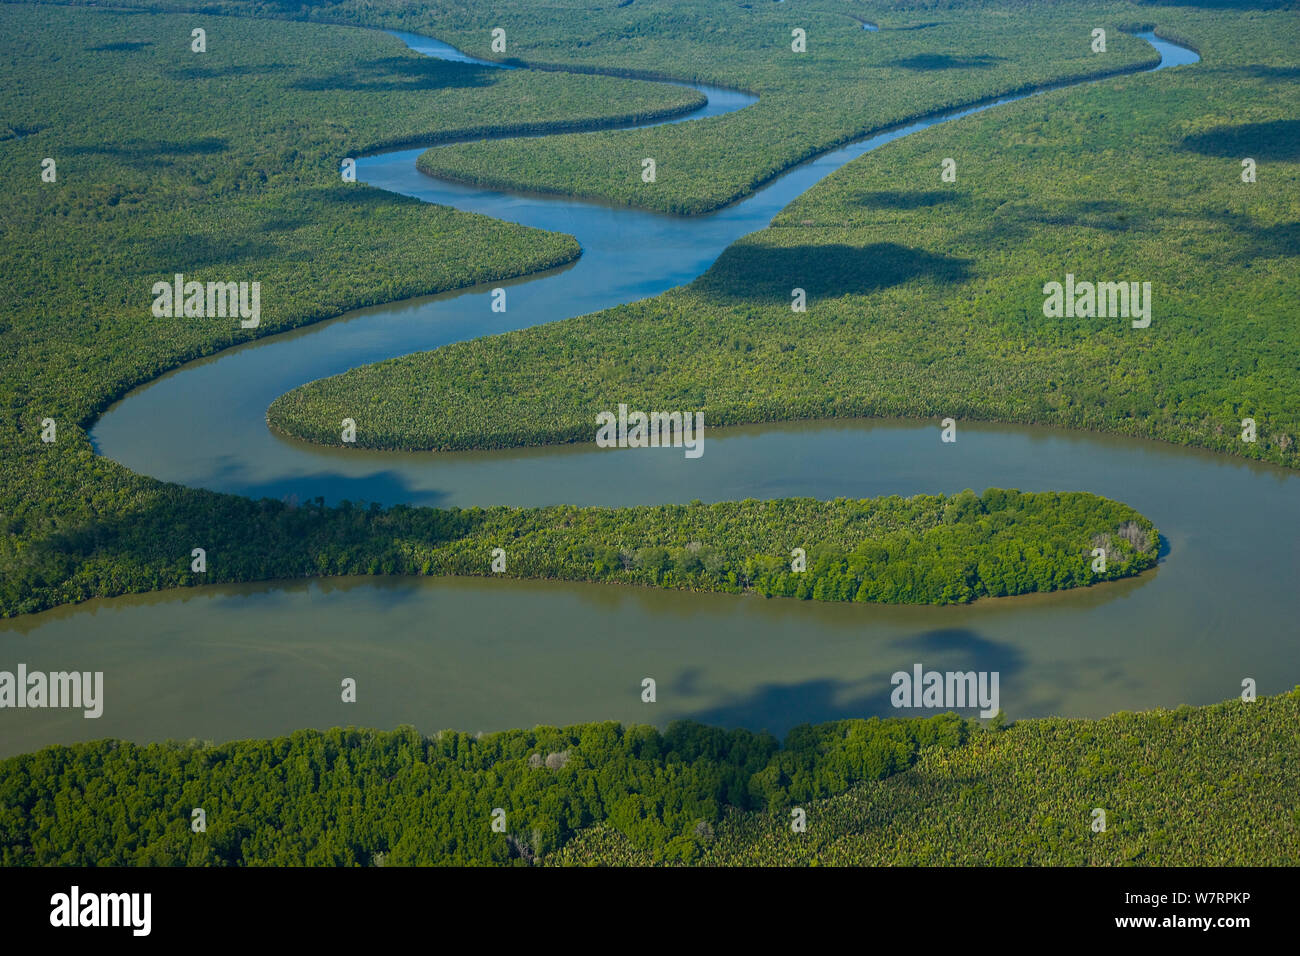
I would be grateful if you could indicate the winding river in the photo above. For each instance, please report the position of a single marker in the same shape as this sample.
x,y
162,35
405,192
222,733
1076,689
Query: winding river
x,y
476,654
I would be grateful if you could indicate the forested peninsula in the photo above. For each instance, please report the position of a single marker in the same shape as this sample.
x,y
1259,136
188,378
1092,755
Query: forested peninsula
x,y
927,549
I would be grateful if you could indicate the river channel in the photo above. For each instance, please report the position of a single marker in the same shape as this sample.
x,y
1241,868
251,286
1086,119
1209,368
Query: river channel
x,y
225,662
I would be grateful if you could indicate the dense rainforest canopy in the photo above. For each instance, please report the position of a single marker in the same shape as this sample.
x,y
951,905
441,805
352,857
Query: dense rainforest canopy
x,y
925,298
183,166
359,796
938,790
1195,786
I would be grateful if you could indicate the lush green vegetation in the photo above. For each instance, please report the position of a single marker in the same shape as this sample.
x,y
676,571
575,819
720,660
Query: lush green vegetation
x,y
926,298
1194,786
928,549
231,165
347,797
178,164
1203,786
847,83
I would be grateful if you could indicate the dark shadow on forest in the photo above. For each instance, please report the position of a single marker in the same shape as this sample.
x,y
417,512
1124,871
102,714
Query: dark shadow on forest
x,y
220,72
245,539
1260,242
1271,72
201,252
377,198
1220,4
917,26
1277,139
17,131
748,271
906,200
1250,241
1021,223
398,73
1091,214
279,220
946,61
121,46
207,146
